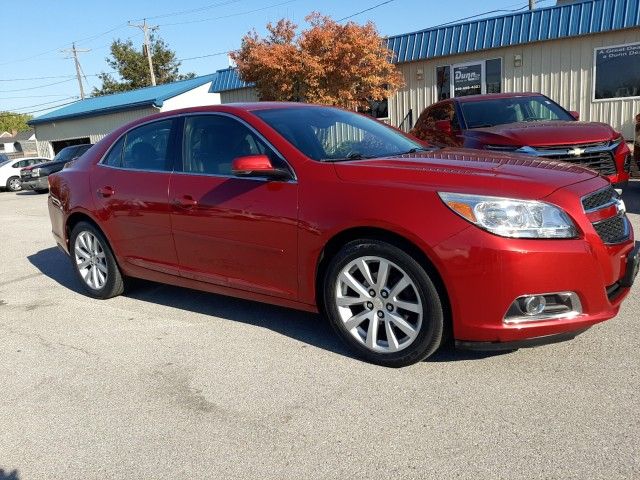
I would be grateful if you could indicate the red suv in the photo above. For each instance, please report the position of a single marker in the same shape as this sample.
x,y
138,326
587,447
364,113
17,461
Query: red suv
x,y
528,123
322,209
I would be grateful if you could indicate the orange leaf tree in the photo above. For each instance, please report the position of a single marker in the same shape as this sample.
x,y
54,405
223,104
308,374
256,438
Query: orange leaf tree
x,y
330,63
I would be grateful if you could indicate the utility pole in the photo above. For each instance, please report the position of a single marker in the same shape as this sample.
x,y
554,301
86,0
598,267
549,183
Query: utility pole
x,y
532,4
74,54
147,44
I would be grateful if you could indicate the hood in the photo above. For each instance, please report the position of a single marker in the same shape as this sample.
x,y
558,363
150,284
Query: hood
x,y
543,133
468,171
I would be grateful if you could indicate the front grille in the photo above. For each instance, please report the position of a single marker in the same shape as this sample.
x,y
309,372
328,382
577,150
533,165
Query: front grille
x,y
569,147
599,199
613,230
601,162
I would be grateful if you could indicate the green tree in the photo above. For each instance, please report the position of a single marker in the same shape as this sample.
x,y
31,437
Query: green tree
x,y
133,68
10,121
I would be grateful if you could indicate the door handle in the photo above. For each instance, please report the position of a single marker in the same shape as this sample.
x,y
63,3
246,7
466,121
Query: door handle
x,y
187,201
106,191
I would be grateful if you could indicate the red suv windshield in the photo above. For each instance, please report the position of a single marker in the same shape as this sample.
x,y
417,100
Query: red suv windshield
x,y
500,111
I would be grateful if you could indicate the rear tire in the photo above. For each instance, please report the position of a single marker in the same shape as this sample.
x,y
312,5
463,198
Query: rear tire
x,y
94,262
14,184
383,303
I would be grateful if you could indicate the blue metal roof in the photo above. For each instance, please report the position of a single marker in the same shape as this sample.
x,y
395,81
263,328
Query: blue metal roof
x,y
228,79
560,21
142,97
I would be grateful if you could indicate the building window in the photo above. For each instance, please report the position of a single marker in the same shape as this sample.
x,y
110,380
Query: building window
x,y
617,71
377,109
472,78
443,82
493,75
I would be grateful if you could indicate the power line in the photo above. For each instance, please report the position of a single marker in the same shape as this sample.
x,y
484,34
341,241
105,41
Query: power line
x,y
34,96
38,86
8,114
33,78
205,56
365,10
41,104
193,10
228,16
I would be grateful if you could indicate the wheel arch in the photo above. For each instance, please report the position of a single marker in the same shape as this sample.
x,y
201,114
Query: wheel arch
x,y
79,216
340,239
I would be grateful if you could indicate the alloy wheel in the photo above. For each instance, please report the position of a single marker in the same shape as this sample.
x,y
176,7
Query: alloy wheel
x,y
91,260
15,184
379,304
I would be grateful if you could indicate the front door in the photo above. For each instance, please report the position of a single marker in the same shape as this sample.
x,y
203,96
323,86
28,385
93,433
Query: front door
x,y
231,231
131,187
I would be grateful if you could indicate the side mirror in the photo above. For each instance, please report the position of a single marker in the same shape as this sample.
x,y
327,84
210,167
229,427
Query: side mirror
x,y
257,166
575,114
444,126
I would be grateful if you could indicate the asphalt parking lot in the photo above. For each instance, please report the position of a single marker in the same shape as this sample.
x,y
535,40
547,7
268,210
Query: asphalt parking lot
x,y
170,383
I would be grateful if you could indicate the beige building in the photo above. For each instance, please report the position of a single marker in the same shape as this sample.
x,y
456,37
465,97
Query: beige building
x,y
584,55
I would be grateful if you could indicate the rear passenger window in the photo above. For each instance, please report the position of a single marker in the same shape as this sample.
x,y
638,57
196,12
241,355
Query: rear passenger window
x,y
147,147
114,157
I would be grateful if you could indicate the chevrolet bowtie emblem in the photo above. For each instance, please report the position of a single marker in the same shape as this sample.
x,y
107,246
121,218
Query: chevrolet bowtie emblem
x,y
576,152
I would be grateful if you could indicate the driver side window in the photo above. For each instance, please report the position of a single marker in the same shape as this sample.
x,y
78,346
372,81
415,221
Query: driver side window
x,y
212,142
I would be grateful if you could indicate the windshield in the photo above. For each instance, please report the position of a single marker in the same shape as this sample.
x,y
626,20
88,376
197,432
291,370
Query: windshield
x,y
500,111
332,134
65,154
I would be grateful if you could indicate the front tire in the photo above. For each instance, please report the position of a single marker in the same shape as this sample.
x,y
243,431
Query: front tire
x,y
14,184
94,262
383,303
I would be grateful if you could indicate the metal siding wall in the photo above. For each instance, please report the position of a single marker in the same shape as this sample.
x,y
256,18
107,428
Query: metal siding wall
x,y
95,127
239,95
560,69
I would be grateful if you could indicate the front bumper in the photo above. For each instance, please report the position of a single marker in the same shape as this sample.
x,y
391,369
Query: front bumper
x,y
485,273
40,183
516,344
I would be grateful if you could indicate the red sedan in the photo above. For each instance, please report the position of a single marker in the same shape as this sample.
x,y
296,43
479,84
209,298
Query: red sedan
x,y
400,245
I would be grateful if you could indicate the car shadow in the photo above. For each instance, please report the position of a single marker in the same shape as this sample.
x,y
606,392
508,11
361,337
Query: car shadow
x,y
28,193
631,196
308,328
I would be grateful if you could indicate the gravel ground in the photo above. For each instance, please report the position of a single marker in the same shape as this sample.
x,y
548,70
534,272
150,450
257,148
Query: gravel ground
x,y
171,383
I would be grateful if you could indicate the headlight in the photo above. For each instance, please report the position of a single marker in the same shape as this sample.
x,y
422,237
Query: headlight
x,y
502,148
35,172
509,217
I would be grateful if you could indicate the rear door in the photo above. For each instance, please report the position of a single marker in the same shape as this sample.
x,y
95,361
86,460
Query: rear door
x,y
232,231
131,189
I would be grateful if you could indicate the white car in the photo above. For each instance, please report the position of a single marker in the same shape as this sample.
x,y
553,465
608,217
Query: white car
x,y
10,171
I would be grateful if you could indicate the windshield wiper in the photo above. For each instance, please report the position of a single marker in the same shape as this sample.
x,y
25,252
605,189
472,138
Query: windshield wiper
x,y
415,150
351,156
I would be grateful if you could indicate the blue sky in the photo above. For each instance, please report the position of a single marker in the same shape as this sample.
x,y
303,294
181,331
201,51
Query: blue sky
x,y
34,31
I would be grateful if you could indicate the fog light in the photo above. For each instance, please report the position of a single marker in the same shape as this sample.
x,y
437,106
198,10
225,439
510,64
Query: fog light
x,y
544,306
534,305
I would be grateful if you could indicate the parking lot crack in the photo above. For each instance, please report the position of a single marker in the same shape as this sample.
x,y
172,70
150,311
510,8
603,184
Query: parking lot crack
x,y
44,342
